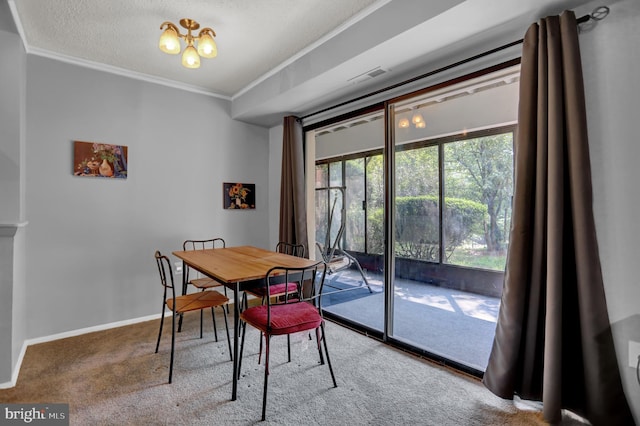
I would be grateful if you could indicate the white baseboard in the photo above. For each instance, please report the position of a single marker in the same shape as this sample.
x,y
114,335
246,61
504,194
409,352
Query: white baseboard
x,y
14,374
72,333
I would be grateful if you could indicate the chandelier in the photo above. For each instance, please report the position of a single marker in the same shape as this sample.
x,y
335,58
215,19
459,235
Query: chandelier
x,y
417,121
206,45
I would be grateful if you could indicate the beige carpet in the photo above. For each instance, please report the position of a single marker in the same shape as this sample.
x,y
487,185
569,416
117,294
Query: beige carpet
x,y
113,377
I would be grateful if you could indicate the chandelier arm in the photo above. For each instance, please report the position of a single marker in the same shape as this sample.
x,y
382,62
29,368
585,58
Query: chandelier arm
x,y
167,24
205,31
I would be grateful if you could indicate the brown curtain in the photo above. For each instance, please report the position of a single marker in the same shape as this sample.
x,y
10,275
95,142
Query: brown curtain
x,y
293,208
553,339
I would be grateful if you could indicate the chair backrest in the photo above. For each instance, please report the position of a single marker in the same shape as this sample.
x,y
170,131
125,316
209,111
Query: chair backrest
x,y
297,250
313,275
164,265
211,243
203,244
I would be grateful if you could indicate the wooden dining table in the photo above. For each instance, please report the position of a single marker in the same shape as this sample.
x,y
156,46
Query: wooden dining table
x,y
238,268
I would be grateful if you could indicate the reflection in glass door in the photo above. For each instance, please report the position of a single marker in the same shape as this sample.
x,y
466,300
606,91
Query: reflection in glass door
x,y
349,220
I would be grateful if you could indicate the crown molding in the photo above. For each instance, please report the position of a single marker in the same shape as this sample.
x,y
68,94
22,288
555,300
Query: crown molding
x,y
124,72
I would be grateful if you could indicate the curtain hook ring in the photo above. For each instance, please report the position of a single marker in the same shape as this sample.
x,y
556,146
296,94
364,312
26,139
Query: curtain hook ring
x,y
599,13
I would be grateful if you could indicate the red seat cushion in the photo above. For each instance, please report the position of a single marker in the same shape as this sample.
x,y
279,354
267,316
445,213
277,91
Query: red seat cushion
x,y
285,318
275,290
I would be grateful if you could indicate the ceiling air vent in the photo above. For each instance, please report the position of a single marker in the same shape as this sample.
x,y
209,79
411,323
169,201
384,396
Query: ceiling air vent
x,y
367,75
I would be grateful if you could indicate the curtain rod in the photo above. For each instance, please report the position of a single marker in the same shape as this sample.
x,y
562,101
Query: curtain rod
x,y
598,14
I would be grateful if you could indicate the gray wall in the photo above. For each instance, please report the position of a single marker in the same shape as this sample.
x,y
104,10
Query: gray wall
x,y
12,71
611,65
12,178
90,241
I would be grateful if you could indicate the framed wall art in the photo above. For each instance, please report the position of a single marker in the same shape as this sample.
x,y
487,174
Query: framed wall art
x,y
93,159
238,196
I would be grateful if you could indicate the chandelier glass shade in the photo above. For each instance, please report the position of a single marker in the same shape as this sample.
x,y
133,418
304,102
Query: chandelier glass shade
x,y
417,120
202,45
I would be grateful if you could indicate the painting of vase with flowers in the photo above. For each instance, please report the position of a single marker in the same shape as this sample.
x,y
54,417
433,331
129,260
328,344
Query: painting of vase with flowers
x,y
99,160
238,195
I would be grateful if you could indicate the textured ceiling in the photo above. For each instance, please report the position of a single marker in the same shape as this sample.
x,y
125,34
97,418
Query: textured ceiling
x,y
253,36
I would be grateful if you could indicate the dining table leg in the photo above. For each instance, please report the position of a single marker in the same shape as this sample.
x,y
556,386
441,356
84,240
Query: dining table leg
x,y
236,336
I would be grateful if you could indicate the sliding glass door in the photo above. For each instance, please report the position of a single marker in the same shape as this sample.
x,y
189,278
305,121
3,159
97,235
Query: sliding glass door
x,y
413,216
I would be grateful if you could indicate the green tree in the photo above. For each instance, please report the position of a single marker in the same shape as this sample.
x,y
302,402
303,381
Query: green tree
x,y
481,169
417,172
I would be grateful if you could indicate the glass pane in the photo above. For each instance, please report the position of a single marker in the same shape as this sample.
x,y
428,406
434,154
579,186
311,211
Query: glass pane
x,y
452,180
335,173
354,202
375,205
354,192
322,175
478,182
335,204
417,204
322,204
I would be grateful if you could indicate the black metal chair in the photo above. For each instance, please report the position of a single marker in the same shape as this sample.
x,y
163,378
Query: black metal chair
x,y
203,283
290,314
297,250
200,282
278,290
185,303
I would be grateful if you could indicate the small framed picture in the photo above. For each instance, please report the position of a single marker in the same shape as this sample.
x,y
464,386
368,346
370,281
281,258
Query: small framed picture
x,y
103,160
238,196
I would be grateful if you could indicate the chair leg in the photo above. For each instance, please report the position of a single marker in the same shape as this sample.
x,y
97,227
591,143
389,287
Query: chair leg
x,y
267,339
173,344
244,331
326,350
215,327
260,352
201,315
226,326
161,323
288,348
264,299
244,304
318,338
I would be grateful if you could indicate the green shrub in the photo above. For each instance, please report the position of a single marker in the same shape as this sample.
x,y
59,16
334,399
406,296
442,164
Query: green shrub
x,y
417,230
